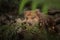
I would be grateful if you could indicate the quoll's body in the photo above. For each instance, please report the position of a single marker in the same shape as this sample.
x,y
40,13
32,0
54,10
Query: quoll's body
x,y
33,17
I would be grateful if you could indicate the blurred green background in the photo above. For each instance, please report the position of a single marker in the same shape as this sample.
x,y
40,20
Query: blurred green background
x,y
9,32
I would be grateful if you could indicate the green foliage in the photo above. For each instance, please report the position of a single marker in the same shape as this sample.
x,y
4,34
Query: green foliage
x,y
45,9
46,4
21,5
7,32
34,4
53,3
34,33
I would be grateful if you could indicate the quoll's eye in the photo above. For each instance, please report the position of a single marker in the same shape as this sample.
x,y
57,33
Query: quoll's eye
x,y
27,18
33,17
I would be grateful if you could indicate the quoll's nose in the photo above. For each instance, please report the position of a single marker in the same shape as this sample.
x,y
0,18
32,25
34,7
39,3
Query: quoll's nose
x,y
30,24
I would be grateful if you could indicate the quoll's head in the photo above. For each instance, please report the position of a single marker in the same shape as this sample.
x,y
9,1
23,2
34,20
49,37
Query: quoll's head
x,y
32,16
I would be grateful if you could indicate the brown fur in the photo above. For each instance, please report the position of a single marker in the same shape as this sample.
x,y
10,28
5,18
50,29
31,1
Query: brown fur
x,y
35,16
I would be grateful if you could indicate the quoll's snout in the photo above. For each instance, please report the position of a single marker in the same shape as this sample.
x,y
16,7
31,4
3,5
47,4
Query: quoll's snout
x,y
29,21
30,24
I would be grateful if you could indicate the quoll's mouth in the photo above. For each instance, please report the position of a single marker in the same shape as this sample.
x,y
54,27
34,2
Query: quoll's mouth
x,y
30,24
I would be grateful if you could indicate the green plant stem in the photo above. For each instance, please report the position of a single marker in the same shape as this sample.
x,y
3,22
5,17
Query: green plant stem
x,y
45,9
34,4
21,5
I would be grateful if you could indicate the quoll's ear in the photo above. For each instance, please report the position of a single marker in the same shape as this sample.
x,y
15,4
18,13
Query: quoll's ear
x,y
37,11
28,12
